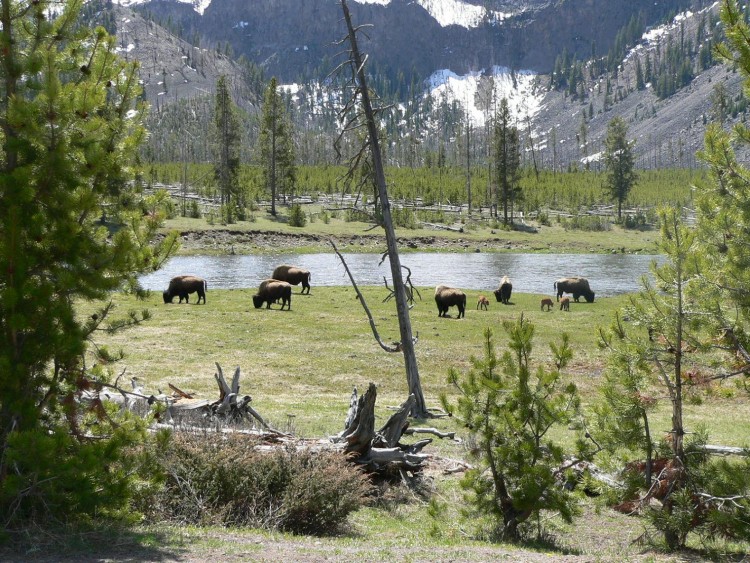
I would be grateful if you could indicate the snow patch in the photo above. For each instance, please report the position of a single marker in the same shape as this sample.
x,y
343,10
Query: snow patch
x,y
523,100
453,12
198,5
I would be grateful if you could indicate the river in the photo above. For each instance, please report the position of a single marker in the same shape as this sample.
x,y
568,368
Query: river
x,y
608,274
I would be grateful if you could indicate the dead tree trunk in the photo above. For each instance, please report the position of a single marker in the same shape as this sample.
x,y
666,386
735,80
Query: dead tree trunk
x,y
381,451
419,408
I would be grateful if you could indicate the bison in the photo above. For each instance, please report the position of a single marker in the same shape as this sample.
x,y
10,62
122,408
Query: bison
x,y
576,286
502,293
293,275
483,302
547,302
182,286
565,303
270,291
446,297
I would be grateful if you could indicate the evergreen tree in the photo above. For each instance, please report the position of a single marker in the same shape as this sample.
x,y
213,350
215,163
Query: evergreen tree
x,y
276,145
72,230
507,158
509,409
639,83
661,360
619,162
227,155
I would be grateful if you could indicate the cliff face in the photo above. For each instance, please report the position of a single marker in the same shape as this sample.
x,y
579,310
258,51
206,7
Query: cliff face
x,y
293,39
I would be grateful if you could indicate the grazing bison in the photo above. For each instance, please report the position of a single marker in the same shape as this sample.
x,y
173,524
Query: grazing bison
x,y
446,297
565,304
182,286
483,302
576,286
547,302
271,291
293,275
502,293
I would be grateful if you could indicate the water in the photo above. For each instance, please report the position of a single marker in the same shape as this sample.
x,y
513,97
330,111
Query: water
x,y
608,274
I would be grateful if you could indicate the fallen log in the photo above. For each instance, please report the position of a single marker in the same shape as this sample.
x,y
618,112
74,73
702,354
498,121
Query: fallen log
x,y
433,431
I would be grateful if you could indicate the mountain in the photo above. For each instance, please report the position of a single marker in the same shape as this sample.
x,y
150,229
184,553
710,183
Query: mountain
x,y
294,39
563,117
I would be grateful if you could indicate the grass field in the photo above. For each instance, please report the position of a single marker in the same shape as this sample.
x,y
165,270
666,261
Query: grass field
x,y
305,362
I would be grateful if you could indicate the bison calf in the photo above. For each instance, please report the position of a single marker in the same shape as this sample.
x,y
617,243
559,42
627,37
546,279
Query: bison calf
x,y
446,297
547,302
293,275
564,303
483,302
182,286
270,291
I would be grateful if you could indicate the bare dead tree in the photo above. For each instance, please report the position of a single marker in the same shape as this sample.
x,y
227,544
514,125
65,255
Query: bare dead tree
x,y
357,114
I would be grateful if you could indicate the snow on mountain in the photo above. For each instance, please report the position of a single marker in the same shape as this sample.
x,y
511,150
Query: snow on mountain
x,y
517,87
198,5
452,12
446,12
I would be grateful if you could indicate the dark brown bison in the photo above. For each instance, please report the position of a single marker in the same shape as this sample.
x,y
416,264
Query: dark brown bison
x,y
576,286
446,297
547,302
182,286
271,291
502,293
293,275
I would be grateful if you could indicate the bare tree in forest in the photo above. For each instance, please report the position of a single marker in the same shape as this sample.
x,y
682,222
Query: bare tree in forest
x,y
361,114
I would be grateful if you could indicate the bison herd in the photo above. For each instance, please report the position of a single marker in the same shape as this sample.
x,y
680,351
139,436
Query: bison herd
x,y
272,290
279,288
446,297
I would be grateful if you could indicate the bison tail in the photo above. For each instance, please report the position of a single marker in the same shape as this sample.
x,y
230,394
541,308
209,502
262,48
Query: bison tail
x,y
554,286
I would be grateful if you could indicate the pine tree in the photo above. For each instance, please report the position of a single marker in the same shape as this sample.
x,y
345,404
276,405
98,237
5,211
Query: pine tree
x,y
227,152
509,409
276,145
507,158
619,162
72,230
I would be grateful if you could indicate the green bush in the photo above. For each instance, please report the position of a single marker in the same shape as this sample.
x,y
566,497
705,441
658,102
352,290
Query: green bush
x,y
223,480
297,217
592,223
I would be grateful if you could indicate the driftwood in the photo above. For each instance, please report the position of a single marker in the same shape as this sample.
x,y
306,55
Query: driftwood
x,y
444,227
433,431
381,451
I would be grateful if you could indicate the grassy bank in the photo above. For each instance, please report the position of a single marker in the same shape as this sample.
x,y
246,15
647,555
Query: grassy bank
x,y
265,233
300,367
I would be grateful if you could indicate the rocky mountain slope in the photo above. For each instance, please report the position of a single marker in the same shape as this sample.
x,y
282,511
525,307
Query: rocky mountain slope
x,y
567,130
293,39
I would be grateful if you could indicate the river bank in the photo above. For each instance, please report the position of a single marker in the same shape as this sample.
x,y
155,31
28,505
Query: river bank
x,y
261,237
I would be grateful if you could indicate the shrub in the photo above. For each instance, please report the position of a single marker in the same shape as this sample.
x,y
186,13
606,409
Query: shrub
x,y
297,216
586,223
222,480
